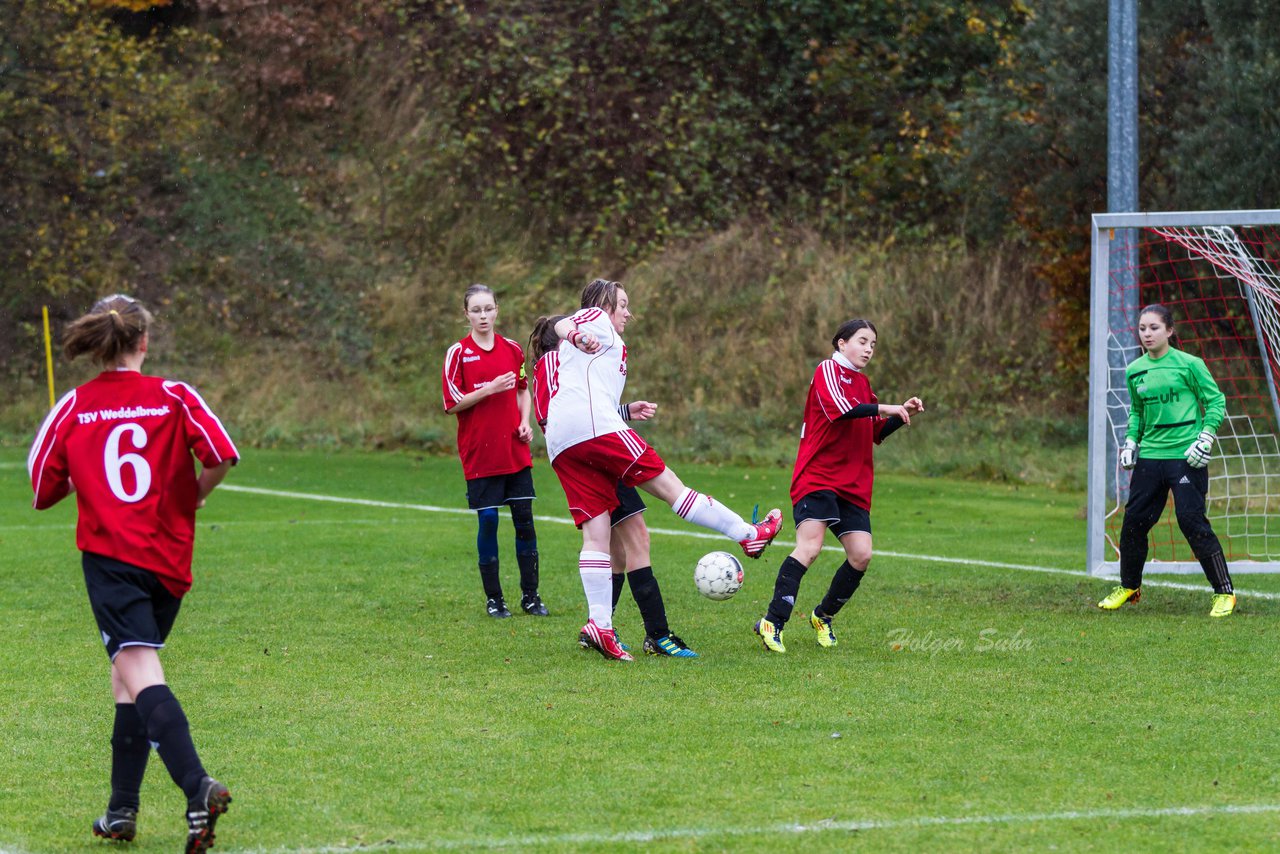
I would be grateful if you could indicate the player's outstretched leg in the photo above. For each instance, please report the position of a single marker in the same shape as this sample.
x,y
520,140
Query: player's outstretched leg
x,y
763,534
700,509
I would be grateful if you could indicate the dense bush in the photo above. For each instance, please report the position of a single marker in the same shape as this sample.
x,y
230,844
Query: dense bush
x,y
636,120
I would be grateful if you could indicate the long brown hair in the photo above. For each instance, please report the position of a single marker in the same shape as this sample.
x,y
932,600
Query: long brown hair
x,y
544,339
114,327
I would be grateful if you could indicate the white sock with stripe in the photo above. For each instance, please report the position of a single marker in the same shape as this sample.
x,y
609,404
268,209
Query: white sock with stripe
x,y
597,583
704,510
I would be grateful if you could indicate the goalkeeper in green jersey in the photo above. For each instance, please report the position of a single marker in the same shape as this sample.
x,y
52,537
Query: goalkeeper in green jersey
x,y
1175,410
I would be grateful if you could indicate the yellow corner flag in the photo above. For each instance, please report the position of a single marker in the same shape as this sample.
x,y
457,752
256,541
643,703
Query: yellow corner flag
x,y
48,354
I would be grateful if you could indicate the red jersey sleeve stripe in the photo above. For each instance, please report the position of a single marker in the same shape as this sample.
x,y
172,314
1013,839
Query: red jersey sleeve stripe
x,y
831,378
219,441
587,315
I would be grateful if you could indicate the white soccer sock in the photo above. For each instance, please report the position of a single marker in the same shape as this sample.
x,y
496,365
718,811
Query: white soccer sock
x,y
704,510
597,583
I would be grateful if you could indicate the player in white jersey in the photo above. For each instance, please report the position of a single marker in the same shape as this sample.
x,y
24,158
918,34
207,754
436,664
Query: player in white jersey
x,y
592,450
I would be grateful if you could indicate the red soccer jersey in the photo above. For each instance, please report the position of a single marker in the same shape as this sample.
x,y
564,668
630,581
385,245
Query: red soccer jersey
x,y
544,384
487,441
836,455
125,441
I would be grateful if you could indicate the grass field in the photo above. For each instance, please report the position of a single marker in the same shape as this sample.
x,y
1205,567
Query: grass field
x,y
340,676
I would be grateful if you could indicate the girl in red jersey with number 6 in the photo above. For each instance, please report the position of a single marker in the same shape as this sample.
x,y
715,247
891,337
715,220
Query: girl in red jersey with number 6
x,y
831,483
123,442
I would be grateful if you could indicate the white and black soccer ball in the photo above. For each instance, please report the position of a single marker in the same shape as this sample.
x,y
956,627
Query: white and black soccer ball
x,y
718,575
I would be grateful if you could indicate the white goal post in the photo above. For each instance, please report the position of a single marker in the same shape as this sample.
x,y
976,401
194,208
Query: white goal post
x,y
1217,271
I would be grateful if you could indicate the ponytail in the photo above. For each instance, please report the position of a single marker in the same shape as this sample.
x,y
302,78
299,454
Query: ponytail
x,y
544,339
113,328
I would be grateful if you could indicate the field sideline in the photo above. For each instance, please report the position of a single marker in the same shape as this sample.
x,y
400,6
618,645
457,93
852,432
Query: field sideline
x,y
340,676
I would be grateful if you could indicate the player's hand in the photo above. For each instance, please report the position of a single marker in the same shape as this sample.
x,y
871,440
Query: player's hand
x,y
642,410
501,383
524,433
1129,454
915,404
1200,451
888,410
584,341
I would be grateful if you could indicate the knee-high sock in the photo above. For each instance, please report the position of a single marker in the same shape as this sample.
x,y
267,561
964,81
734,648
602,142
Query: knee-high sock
x,y
704,510
644,586
843,585
595,571
130,750
526,546
168,730
487,548
785,590
619,582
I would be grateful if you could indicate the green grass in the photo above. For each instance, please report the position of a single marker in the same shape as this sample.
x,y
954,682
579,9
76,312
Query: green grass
x,y
341,678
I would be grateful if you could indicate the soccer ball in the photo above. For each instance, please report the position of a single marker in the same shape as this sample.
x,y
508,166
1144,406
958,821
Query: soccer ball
x,y
718,575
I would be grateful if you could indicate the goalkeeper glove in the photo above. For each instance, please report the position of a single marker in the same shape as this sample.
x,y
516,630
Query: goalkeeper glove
x,y
1201,448
1129,454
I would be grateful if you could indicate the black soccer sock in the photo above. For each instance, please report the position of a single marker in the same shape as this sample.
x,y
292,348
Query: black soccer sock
x,y
785,590
843,585
1215,569
619,582
526,546
130,750
490,581
644,587
167,728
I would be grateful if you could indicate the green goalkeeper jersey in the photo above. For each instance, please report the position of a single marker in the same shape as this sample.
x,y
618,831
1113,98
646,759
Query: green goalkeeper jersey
x,y
1171,399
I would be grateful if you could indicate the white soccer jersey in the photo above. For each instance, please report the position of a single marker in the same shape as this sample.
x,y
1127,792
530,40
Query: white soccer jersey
x,y
588,388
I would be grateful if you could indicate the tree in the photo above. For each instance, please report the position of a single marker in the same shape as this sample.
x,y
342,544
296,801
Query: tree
x,y
90,118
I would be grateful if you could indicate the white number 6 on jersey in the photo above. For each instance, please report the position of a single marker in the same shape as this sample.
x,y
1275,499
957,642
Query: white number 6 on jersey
x,y
114,461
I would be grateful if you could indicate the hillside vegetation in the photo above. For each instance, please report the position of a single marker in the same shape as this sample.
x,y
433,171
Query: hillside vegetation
x,y
303,189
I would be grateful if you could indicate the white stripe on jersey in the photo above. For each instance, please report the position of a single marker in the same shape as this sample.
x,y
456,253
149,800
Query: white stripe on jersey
x,y
207,411
455,393
67,400
831,373
53,420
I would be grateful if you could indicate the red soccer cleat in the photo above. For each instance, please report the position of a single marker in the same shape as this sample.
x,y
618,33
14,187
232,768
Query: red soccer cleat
x,y
604,641
766,530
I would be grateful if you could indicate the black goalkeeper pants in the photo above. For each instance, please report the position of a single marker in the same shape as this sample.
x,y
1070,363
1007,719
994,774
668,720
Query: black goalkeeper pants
x,y
1149,490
